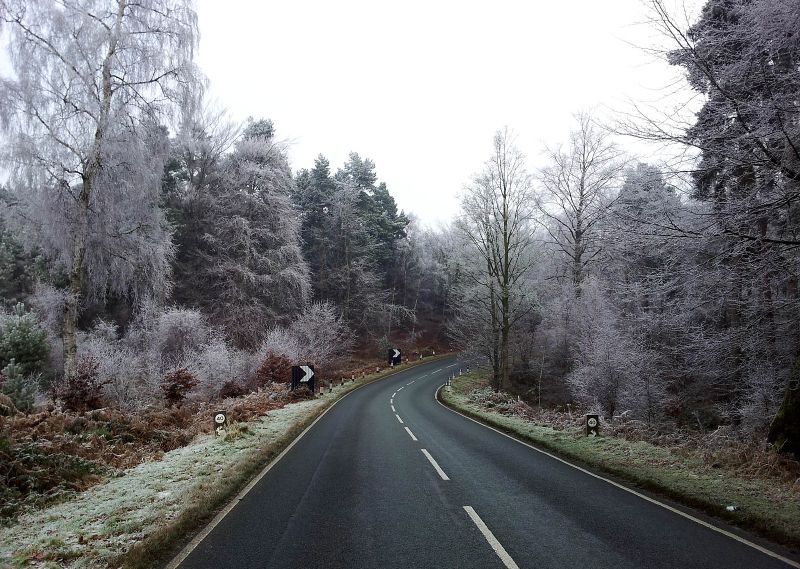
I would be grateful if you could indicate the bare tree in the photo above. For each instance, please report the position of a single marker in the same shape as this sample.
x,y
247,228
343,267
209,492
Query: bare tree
x,y
577,192
496,221
91,81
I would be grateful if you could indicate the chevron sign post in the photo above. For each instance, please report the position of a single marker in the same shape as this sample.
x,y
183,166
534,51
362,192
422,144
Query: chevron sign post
x,y
394,357
303,376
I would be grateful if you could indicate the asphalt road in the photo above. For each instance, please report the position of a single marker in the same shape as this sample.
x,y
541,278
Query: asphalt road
x,y
390,478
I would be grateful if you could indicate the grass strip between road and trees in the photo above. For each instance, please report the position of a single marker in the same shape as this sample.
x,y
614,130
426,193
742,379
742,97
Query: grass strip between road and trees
x,y
143,517
765,506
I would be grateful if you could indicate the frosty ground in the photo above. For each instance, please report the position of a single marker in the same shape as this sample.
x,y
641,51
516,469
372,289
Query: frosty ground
x,y
101,525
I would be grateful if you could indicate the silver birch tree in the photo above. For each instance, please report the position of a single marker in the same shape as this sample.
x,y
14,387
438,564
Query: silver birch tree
x,y
91,81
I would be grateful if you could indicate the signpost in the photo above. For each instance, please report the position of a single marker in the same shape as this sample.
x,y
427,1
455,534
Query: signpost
x,y
395,358
592,425
220,423
303,376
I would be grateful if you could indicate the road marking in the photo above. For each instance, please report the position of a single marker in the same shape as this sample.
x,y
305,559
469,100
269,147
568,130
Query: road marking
x,y
410,434
435,464
401,389
391,401
726,533
192,545
393,410
410,382
398,418
487,533
394,394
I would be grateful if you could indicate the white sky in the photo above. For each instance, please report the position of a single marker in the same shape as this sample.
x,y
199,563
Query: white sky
x,y
420,87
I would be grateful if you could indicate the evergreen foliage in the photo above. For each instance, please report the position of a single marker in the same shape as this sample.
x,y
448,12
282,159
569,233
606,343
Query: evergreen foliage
x,y
19,388
24,341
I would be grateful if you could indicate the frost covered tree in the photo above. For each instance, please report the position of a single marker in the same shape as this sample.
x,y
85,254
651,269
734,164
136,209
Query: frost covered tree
x,y
194,168
249,257
496,222
742,57
351,227
577,190
91,83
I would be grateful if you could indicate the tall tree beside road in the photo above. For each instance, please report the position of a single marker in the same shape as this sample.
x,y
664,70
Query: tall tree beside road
x,y
351,228
742,56
578,188
91,82
496,220
249,256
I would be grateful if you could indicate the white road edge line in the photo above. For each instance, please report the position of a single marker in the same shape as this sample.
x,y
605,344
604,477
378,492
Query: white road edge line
x,y
204,533
726,533
398,418
393,409
487,533
410,434
435,464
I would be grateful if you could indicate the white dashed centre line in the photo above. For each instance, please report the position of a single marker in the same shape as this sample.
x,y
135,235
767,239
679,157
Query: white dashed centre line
x,y
391,400
398,418
394,394
393,410
498,548
435,464
410,434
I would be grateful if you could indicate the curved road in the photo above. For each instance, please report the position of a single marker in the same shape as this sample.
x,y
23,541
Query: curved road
x,y
390,478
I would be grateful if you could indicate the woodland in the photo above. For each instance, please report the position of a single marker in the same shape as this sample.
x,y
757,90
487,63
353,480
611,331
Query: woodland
x,y
156,255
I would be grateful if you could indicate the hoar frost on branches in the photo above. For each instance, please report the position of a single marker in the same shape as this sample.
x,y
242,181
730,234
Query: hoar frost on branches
x,y
92,83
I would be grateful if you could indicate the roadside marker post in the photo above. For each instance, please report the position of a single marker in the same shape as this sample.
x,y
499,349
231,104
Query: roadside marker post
x,y
592,425
220,423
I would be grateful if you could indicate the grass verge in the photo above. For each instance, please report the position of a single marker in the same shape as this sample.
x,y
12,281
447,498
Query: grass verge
x,y
767,506
144,516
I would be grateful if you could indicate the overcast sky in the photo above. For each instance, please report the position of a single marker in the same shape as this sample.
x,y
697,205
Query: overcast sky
x,y
421,86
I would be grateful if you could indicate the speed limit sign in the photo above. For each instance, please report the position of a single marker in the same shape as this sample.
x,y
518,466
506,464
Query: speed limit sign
x,y
592,425
220,422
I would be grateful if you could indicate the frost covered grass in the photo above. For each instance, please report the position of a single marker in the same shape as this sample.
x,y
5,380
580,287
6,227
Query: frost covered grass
x,y
764,501
140,516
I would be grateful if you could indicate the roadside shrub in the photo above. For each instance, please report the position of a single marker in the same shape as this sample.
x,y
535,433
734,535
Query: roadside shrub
x,y
7,407
318,334
130,378
179,332
23,340
217,363
301,394
273,368
232,389
176,385
83,391
18,388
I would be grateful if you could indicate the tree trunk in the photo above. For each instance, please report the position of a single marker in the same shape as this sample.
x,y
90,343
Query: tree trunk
x,y
68,335
784,432
495,343
504,338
